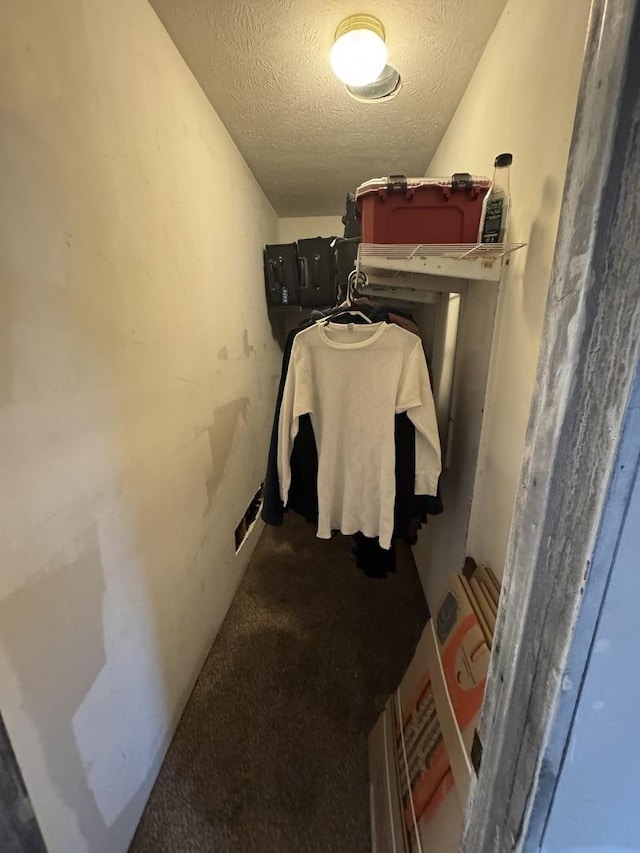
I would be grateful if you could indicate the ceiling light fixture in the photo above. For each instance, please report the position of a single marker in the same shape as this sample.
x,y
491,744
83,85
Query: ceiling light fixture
x,y
383,89
359,53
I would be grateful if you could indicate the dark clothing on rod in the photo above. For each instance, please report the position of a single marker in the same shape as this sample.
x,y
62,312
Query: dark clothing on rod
x,y
375,562
304,459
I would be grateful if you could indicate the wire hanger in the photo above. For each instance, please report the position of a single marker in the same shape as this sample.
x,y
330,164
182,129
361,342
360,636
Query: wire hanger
x,y
353,312
346,307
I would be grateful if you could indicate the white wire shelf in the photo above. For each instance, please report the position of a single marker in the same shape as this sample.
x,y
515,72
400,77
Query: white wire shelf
x,y
476,261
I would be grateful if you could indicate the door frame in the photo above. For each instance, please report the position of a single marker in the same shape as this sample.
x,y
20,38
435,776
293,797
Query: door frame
x,y
581,455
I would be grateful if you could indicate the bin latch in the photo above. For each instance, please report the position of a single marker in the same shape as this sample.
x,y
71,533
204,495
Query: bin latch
x,y
397,183
461,181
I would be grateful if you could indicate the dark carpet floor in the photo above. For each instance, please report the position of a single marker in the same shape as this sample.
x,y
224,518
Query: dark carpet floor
x,y
271,753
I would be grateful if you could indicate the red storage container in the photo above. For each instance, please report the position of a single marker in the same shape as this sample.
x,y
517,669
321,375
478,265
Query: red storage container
x,y
422,210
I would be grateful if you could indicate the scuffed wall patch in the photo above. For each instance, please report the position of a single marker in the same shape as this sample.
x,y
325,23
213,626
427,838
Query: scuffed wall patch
x,y
248,348
222,432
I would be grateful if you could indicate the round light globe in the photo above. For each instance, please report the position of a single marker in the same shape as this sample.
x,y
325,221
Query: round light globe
x,y
358,57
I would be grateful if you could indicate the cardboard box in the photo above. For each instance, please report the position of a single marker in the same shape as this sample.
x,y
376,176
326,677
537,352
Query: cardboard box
x,y
388,832
420,748
464,654
441,825
422,757
433,813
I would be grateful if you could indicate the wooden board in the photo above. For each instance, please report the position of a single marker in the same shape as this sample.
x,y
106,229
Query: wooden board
x,y
484,575
488,635
487,612
492,604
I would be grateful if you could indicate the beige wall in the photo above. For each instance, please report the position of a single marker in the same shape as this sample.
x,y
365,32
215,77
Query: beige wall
x,y
137,378
294,228
521,99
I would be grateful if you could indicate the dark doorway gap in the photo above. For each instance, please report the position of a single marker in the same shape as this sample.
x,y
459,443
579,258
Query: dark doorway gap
x,y
248,518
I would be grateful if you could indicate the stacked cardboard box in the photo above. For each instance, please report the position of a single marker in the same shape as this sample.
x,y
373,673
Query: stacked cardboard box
x,y
420,749
410,774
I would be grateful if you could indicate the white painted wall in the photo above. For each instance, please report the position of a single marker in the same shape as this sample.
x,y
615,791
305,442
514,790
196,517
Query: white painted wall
x,y
293,228
137,379
522,99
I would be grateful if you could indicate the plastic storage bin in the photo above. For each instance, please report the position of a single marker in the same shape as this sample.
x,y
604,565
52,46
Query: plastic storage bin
x,y
422,210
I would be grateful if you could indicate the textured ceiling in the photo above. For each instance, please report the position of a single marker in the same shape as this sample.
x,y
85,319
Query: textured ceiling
x,y
264,65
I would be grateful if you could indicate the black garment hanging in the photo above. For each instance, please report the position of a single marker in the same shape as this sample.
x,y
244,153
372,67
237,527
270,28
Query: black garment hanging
x,y
305,463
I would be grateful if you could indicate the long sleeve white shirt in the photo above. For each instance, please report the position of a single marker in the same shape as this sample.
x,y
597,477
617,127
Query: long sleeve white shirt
x,y
352,380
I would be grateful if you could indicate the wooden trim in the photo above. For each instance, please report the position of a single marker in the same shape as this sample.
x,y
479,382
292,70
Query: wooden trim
x,y
569,498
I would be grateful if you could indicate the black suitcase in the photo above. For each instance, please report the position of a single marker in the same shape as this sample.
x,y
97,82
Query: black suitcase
x,y
281,274
317,272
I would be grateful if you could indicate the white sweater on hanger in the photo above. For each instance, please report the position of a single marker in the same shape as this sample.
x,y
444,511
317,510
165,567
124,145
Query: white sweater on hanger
x,y
353,380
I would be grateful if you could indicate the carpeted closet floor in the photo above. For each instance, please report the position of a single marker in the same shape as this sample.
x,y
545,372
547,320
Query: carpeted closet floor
x,y
271,753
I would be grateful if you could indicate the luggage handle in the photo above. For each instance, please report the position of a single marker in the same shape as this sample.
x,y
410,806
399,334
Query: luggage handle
x,y
276,268
304,273
306,280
